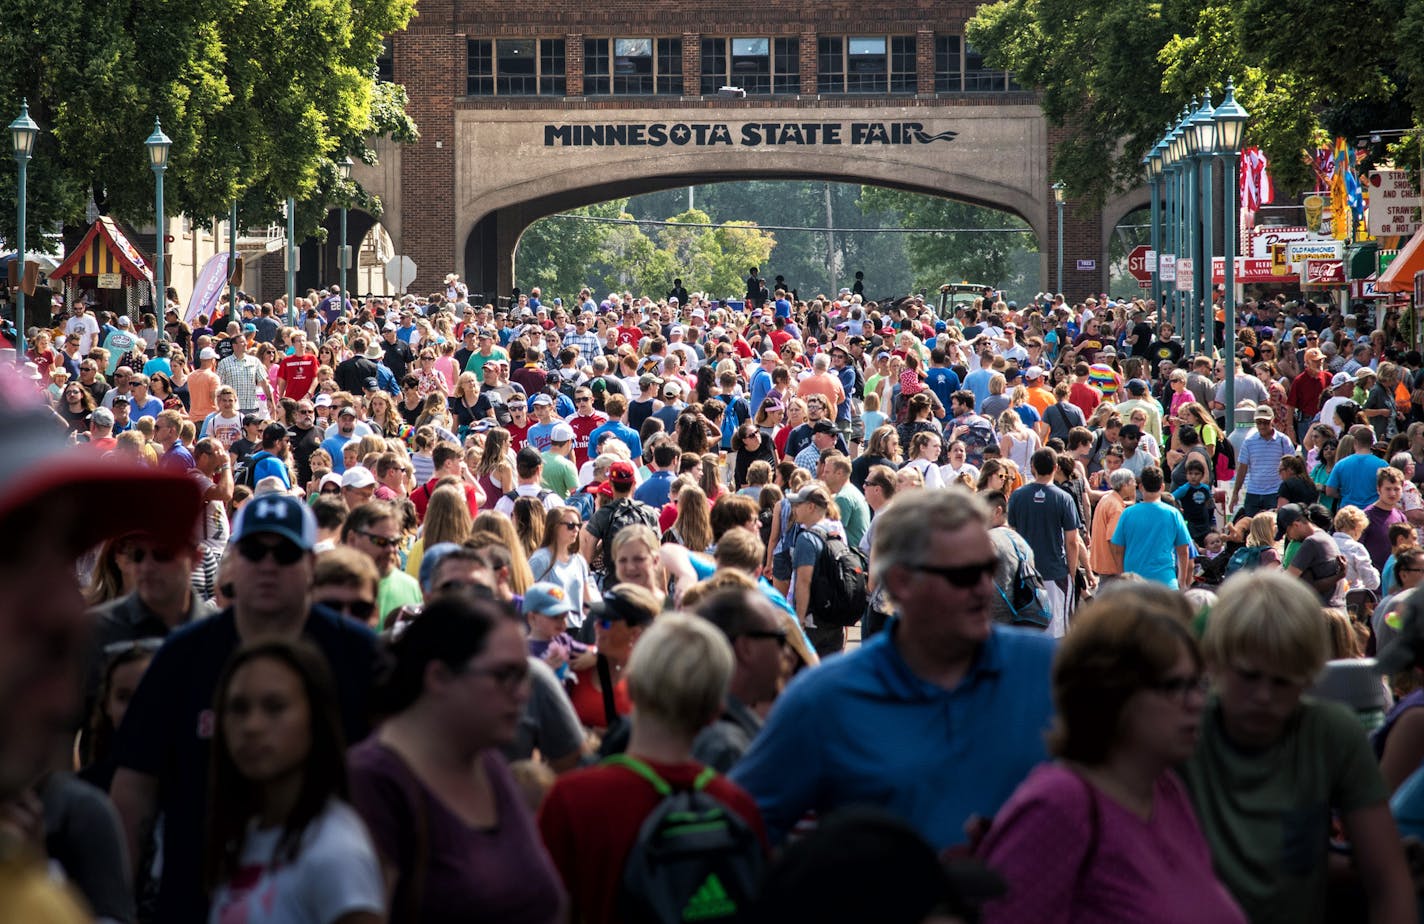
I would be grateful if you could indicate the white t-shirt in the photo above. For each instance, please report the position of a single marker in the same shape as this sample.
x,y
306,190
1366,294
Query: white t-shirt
x,y
88,330
226,430
335,874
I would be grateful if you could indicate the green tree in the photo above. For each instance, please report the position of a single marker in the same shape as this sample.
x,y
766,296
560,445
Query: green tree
x,y
558,254
993,257
1114,73
259,98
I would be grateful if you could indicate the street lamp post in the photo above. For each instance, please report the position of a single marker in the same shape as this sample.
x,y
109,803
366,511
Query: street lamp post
x,y
23,133
344,165
1189,169
1184,238
1230,126
1058,190
1204,128
158,145
292,262
1169,224
1153,163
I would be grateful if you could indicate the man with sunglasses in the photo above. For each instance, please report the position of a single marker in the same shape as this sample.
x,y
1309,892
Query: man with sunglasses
x,y
164,744
751,624
942,687
374,528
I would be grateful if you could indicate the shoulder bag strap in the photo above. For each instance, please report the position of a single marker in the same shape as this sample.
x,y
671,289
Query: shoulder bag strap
x,y
605,678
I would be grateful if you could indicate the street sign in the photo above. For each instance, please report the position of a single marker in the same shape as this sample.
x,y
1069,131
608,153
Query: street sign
x,y
1167,270
1296,251
1394,204
1185,277
400,272
1087,266
1137,263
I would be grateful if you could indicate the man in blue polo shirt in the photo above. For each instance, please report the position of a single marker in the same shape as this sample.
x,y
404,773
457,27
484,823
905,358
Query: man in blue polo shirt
x,y
936,719
656,491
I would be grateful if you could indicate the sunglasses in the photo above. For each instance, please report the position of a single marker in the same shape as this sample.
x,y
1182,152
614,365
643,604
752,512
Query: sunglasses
x,y
162,556
963,576
508,678
572,524
776,635
330,489
255,550
359,610
146,645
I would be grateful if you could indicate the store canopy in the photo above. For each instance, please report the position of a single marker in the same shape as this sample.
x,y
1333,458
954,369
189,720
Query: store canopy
x,y
105,250
44,261
1399,275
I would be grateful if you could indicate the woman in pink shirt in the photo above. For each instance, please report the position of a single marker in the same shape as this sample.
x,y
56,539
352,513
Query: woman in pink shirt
x,y
1106,833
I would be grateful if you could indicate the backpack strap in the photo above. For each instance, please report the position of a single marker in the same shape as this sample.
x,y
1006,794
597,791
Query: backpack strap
x,y
605,679
629,762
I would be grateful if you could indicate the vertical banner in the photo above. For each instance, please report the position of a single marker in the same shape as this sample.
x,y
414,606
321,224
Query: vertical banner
x,y
208,287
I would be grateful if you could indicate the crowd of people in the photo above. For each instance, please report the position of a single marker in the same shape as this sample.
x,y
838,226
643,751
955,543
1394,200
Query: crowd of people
x,y
427,609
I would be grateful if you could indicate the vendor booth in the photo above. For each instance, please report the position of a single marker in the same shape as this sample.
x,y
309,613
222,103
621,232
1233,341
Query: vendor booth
x,y
107,271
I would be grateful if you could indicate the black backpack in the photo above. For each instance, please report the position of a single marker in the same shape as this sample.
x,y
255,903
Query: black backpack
x,y
694,860
514,496
626,512
838,581
1026,600
244,473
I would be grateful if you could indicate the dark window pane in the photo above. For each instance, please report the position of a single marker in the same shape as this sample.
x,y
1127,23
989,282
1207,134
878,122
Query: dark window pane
x,y
903,64
977,77
830,65
786,65
551,67
947,76
714,65
385,69
595,67
515,63
479,67
866,66
670,66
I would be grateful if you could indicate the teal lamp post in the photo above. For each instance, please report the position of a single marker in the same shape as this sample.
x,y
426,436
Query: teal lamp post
x,y
1193,201
157,146
23,134
1204,130
1153,164
344,165
1230,128
1058,195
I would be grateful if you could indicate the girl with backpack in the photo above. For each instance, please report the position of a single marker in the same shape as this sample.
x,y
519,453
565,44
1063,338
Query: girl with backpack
x,y
558,560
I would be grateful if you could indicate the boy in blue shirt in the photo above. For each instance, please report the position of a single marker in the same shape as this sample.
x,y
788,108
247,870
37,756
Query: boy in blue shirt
x,y
1197,501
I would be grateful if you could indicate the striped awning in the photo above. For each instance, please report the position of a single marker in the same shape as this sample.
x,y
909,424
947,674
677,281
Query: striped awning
x,y
105,249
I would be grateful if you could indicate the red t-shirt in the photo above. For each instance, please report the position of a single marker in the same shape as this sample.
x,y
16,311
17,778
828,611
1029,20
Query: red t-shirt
x,y
1085,397
583,427
779,338
420,497
518,435
629,335
588,699
590,822
299,372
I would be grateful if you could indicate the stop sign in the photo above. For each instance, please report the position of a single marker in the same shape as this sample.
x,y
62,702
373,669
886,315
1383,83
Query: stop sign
x,y
1137,263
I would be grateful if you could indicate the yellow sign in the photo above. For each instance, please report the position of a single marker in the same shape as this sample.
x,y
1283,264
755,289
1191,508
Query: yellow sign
x,y
1279,264
111,281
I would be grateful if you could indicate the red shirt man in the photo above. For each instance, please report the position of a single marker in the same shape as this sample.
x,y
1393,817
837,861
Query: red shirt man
x,y
583,423
1307,388
296,375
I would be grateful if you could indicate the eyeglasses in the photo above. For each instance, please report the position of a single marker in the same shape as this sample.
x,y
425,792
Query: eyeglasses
x,y
962,576
330,489
137,556
1179,688
255,550
145,645
455,585
88,368
776,635
379,541
584,399
359,610
508,677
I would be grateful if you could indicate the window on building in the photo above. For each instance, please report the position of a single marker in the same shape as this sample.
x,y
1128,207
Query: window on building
x,y
596,67
903,70
479,67
830,64
632,67
551,68
385,62
757,65
977,77
514,67
786,65
948,76
866,66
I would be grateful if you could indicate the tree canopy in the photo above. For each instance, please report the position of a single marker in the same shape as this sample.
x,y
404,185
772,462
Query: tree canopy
x,y
1115,73
260,97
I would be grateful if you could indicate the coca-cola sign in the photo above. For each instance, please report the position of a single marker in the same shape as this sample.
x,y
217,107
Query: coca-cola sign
x,y
1324,272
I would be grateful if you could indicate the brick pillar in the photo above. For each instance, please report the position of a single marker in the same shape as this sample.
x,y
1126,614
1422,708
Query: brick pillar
x,y
430,63
925,62
808,63
691,64
573,65
1082,238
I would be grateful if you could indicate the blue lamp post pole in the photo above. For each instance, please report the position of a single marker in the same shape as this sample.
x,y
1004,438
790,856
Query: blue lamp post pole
x,y
157,146
1169,227
292,318
1230,126
345,165
1152,169
1058,189
1204,128
23,133
1189,170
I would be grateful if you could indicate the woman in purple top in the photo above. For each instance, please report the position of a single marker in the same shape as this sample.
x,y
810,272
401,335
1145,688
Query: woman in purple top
x,y
1107,833
455,839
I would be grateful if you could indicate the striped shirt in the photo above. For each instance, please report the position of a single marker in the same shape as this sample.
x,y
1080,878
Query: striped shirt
x,y
242,375
1264,458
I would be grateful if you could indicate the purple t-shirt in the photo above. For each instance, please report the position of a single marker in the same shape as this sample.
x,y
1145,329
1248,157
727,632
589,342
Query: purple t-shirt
x,y
1156,870
501,874
1375,538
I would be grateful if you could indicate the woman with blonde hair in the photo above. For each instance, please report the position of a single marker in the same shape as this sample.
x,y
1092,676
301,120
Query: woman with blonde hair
x,y
1016,441
693,527
998,400
463,398
495,472
635,558
381,415
497,524
447,519
1263,536
558,561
